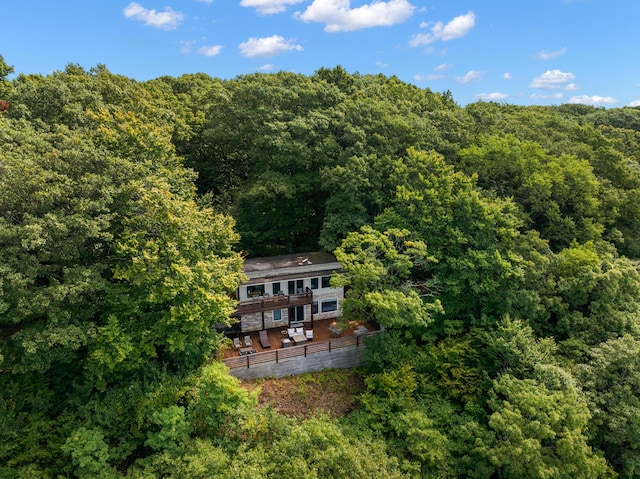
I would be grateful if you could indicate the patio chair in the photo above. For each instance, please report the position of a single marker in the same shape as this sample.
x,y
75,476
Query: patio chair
x,y
309,334
247,341
264,339
236,343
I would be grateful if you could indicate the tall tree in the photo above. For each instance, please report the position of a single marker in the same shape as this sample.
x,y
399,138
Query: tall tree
x,y
380,271
611,381
540,428
482,260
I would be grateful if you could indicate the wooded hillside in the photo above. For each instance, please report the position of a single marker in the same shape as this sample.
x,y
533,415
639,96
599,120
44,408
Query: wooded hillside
x,y
498,244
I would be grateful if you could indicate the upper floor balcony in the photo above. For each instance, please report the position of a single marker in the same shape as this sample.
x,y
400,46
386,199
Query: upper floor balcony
x,y
267,302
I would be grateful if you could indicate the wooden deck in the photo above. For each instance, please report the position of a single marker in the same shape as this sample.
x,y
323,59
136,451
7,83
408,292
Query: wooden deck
x,y
309,351
269,303
276,335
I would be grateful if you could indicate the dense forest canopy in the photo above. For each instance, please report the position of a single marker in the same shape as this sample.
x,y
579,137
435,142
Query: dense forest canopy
x,y
498,244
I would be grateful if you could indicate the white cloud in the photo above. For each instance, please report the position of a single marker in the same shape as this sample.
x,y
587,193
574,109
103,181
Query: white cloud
x,y
549,55
205,1
267,47
456,28
210,50
491,96
166,20
572,87
340,17
185,47
471,75
551,79
540,96
419,77
593,100
382,65
269,7
442,67
507,76
266,67
635,103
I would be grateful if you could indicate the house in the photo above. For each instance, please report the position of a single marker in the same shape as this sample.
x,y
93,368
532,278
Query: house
x,y
288,289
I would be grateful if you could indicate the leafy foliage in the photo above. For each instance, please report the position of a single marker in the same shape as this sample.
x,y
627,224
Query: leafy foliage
x,y
497,244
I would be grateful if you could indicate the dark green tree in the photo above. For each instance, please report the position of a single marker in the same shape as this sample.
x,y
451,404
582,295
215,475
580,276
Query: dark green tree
x,y
540,428
611,379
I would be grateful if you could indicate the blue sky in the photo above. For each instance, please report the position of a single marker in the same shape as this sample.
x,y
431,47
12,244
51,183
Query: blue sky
x,y
528,52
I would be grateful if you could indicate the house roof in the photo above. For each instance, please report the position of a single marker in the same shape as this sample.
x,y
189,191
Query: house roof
x,y
290,265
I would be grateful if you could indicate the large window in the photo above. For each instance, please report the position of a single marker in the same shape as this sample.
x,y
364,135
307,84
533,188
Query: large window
x,y
326,281
255,290
329,305
291,286
314,283
275,288
314,307
277,315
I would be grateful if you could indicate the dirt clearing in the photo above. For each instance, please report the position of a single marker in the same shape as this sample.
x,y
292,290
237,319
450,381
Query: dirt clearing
x,y
332,392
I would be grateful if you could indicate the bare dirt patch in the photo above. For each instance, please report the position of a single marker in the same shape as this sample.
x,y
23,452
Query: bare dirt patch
x,y
332,392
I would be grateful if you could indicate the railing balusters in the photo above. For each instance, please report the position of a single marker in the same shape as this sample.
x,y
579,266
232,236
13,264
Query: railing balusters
x,y
295,351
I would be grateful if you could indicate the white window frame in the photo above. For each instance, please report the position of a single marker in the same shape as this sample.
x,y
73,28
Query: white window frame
x,y
329,300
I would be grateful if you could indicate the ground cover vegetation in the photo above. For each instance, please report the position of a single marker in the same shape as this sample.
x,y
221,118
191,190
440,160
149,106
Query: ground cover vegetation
x,y
498,245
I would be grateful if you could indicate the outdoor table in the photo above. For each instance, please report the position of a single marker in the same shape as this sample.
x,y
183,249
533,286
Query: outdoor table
x,y
299,338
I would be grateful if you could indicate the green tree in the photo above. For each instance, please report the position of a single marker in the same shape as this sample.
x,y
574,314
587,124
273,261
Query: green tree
x,y
5,84
217,401
482,260
611,379
173,429
113,274
175,261
358,191
316,448
513,348
540,426
590,295
560,195
89,453
378,275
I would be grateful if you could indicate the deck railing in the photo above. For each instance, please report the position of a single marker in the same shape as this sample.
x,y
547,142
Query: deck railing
x,y
268,303
303,350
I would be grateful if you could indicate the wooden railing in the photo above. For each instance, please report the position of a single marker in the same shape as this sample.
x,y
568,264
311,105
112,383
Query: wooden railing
x,y
303,350
268,303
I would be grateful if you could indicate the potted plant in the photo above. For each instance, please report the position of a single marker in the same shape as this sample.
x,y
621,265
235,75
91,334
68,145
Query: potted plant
x,y
335,329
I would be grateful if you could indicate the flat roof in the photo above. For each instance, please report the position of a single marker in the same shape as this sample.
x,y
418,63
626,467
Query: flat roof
x,y
290,266
288,261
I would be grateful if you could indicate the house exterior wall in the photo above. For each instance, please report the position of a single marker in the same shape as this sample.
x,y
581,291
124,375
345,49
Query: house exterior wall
x,y
270,322
292,277
251,322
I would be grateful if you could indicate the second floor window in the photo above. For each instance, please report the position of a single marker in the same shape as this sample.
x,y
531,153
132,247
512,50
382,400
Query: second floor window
x,y
255,290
